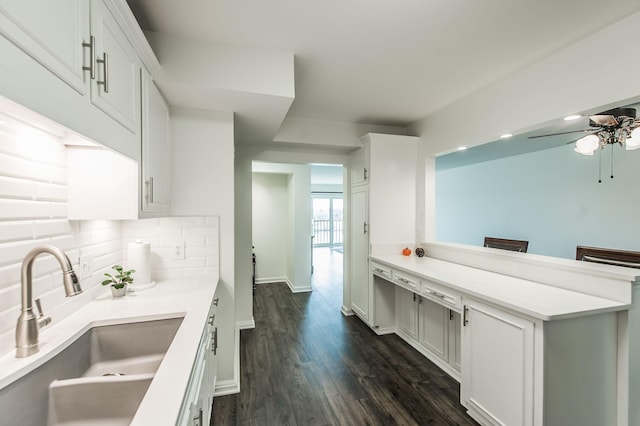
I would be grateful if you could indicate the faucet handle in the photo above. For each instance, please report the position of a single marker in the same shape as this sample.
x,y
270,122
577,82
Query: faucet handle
x,y
43,321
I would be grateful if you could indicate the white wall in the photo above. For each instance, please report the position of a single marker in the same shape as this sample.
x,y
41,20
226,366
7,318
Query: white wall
x,y
326,178
551,198
566,82
203,185
270,207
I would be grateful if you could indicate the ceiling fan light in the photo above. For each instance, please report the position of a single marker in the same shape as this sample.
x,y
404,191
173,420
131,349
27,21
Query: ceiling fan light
x,y
587,145
633,141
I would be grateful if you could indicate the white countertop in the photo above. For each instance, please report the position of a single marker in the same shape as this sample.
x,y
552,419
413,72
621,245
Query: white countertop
x,y
531,298
188,298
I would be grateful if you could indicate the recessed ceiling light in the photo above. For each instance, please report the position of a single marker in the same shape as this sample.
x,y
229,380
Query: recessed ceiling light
x,y
506,135
572,117
462,148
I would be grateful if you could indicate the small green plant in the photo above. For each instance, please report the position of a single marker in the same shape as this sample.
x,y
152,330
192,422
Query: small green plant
x,y
120,279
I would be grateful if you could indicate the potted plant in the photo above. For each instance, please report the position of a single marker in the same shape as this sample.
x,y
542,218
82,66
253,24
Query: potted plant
x,y
119,281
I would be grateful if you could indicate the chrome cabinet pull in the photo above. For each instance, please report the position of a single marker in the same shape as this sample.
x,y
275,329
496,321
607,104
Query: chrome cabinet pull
x,y
366,174
105,65
92,57
215,341
211,319
436,294
216,301
380,271
149,183
402,279
366,228
465,316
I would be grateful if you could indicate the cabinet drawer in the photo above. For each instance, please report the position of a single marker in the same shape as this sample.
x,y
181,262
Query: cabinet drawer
x,y
406,280
381,271
441,295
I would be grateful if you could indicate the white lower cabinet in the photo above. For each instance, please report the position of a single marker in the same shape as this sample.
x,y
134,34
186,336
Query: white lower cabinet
x,y
406,313
434,327
497,365
431,328
196,406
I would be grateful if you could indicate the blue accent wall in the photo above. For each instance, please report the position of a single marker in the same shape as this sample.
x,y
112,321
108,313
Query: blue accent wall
x,y
551,198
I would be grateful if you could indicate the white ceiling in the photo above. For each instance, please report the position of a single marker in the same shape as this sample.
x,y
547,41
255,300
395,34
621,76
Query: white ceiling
x,y
388,61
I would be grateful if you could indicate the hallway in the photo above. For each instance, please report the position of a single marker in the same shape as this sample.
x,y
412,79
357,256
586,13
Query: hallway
x,y
307,364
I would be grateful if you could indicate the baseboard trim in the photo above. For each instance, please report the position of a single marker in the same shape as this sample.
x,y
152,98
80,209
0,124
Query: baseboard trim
x,y
246,325
347,312
299,289
271,280
381,331
226,387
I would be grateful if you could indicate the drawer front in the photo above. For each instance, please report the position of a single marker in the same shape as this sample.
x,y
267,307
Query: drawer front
x,y
407,281
381,271
441,295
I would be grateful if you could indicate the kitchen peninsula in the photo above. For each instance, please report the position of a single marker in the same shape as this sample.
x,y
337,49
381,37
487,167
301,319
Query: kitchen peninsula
x,y
533,340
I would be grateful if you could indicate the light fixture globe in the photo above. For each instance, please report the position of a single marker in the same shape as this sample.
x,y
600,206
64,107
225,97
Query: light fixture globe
x,y
587,145
633,141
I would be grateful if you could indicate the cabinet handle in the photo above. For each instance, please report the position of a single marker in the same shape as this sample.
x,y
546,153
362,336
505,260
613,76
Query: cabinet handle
x,y
403,280
465,316
211,319
215,301
215,341
197,420
419,300
414,297
366,228
92,57
366,174
105,66
436,294
451,316
149,183
380,271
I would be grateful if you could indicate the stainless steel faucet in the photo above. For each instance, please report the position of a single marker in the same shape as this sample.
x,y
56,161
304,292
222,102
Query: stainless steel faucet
x,y
27,328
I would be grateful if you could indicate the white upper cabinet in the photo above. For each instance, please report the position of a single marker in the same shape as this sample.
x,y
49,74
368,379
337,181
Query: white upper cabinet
x,y
78,63
53,33
116,87
156,150
360,166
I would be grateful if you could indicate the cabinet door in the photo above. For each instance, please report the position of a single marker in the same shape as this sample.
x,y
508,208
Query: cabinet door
x,y
156,150
360,253
51,32
455,339
360,166
434,332
497,365
116,88
407,313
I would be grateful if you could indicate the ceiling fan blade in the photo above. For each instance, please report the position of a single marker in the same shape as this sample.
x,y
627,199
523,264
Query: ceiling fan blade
x,y
561,133
604,120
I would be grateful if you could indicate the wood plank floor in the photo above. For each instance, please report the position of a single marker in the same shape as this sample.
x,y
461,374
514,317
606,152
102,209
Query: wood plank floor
x,y
307,364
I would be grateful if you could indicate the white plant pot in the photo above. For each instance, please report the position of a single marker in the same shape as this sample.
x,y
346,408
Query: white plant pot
x,y
118,292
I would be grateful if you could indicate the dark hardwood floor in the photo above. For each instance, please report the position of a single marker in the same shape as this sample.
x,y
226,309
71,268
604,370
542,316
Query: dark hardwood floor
x,y
307,364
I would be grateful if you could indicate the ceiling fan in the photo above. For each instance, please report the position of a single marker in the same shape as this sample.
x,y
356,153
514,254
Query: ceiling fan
x,y
618,125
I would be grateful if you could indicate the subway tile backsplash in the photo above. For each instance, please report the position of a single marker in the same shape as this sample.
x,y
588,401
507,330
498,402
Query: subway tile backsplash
x,y
33,212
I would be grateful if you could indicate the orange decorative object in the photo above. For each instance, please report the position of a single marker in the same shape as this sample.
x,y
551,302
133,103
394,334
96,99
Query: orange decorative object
x,y
406,251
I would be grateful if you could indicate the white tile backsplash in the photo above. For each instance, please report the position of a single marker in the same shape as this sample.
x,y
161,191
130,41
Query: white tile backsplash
x,y
33,212
199,235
